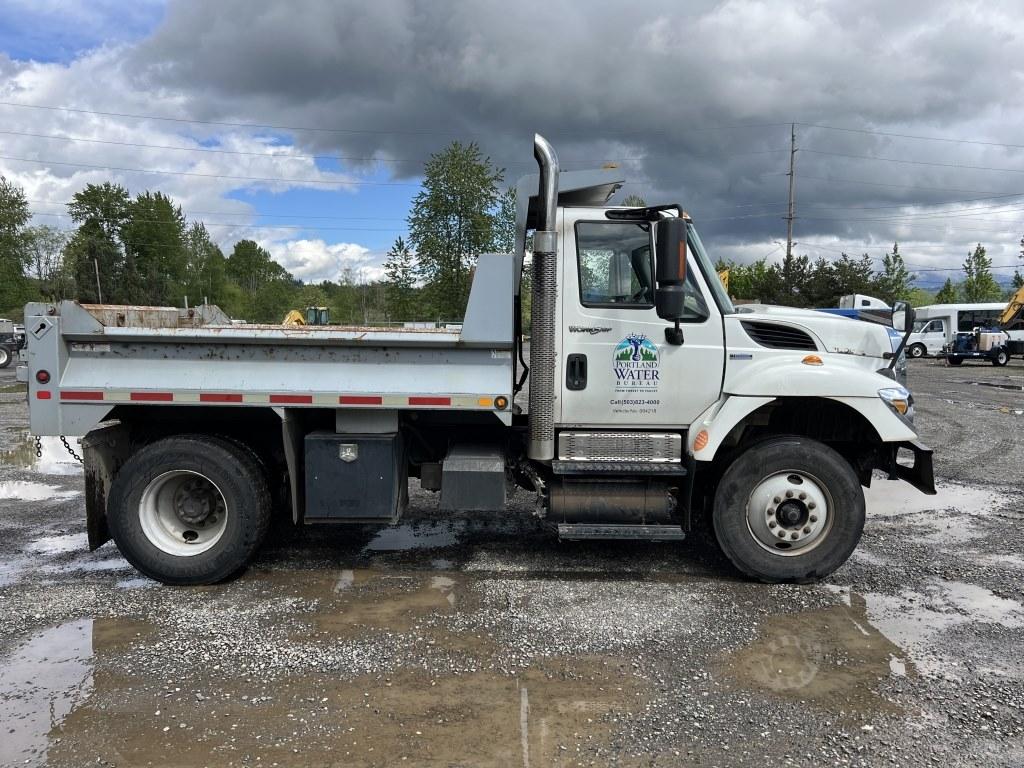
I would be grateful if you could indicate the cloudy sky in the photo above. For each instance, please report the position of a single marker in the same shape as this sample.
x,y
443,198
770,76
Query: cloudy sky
x,y
305,124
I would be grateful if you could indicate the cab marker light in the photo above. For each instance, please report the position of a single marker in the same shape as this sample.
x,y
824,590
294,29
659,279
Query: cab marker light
x,y
812,360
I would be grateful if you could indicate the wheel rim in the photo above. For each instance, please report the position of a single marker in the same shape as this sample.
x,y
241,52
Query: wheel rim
x,y
183,513
916,351
789,513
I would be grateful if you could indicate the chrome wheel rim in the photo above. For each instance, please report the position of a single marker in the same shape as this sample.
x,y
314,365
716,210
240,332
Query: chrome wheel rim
x,y
789,513
183,513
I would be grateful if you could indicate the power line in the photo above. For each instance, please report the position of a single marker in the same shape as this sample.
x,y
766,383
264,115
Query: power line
x,y
915,162
885,184
875,132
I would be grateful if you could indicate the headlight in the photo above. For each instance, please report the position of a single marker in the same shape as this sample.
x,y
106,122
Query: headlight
x,y
897,398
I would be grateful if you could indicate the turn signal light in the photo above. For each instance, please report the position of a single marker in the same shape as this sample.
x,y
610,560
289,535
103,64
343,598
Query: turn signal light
x,y
501,402
702,440
43,377
812,360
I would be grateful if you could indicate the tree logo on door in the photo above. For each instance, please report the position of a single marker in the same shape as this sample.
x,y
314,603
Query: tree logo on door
x,y
635,362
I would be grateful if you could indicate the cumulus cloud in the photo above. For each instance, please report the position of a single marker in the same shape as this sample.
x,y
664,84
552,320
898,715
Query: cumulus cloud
x,y
694,105
314,261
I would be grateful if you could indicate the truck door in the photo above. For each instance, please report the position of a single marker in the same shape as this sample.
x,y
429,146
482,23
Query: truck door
x,y
933,336
616,367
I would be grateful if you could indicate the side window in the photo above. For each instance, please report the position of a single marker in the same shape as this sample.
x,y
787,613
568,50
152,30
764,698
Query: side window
x,y
615,264
616,268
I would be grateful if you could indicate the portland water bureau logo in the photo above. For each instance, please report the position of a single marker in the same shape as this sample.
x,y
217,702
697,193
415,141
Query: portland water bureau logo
x,y
635,362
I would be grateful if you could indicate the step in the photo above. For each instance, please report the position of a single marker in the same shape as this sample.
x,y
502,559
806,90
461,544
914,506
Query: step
x,y
577,531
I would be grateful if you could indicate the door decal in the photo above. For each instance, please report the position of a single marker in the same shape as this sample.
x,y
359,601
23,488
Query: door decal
x,y
635,363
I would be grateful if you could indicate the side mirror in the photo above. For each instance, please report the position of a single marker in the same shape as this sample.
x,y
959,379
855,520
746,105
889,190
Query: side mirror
x,y
902,315
670,267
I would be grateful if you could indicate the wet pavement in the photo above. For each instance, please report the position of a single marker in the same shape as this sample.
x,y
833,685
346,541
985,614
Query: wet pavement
x,y
480,640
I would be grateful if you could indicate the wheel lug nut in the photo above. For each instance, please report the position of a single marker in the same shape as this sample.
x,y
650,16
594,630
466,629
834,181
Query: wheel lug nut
x,y
814,518
789,494
776,499
794,535
782,534
811,505
803,496
772,524
807,529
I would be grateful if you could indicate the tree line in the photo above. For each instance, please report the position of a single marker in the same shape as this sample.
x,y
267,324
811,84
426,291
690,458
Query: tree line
x,y
144,250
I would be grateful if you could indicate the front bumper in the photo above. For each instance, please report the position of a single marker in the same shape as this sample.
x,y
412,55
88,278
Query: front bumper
x,y
920,474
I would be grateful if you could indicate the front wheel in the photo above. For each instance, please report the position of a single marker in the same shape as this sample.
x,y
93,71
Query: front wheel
x,y
788,509
189,509
916,350
5,357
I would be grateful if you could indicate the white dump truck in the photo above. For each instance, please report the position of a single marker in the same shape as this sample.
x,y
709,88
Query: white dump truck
x,y
654,405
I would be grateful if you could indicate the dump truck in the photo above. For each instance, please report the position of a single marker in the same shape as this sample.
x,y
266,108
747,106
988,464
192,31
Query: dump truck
x,y
648,405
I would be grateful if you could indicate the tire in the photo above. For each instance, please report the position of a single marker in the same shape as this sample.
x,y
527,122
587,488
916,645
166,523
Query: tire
x,y
916,350
216,483
765,472
1001,358
954,360
5,356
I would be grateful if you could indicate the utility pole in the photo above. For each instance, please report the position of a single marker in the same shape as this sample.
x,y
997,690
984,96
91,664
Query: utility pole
x,y
792,176
99,290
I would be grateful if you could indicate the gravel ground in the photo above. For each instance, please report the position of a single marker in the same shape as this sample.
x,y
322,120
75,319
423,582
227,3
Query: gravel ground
x,y
480,640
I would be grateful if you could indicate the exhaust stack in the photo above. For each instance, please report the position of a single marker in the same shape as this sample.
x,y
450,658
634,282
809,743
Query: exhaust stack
x,y
542,333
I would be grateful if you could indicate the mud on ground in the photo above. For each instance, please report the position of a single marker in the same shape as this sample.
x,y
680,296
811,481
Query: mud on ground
x,y
480,640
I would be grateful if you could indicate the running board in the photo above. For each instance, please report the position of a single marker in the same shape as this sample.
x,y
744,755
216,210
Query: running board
x,y
577,531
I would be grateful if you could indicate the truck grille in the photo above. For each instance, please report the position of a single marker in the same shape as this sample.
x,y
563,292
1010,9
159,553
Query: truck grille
x,y
778,336
653,447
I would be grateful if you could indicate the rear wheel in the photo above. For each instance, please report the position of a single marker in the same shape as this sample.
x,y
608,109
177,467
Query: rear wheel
x,y
5,357
189,509
1002,358
954,360
788,509
916,350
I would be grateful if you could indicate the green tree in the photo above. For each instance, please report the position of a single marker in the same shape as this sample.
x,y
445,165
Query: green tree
x,y
819,289
795,271
979,285
46,245
266,285
894,281
400,281
948,293
853,275
14,254
452,222
634,201
153,235
504,236
204,268
100,211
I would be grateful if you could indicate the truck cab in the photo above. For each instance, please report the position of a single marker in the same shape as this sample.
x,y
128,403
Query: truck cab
x,y
634,402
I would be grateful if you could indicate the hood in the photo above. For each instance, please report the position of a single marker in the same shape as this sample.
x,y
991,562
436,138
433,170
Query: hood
x,y
835,333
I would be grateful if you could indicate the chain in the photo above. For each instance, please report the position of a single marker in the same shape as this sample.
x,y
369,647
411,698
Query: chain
x,y
39,447
71,450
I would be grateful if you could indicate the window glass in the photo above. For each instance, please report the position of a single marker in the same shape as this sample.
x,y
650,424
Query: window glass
x,y
616,268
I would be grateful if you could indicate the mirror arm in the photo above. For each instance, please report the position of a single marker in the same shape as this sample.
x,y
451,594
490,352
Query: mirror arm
x,y
674,336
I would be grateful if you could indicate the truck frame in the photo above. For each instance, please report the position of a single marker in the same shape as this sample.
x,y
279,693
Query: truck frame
x,y
654,405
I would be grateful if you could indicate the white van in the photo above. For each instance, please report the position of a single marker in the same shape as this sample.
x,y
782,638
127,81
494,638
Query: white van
x,y
937,324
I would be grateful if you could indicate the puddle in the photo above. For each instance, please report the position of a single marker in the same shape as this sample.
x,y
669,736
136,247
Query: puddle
x,y
57,545
401,538
26,490
833,657
39,686
12,568
136,583
890,498
54,461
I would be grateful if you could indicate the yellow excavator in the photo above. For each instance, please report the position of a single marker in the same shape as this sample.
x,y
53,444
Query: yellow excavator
x,y
1014,309
312,316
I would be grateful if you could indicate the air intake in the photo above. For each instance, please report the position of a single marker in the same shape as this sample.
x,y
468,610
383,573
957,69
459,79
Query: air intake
x,y
778,336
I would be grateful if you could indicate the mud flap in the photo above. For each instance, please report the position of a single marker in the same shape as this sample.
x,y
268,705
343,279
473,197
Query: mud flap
x,y
104,451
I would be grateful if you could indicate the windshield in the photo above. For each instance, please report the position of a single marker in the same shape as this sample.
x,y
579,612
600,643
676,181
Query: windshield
x,y
710,274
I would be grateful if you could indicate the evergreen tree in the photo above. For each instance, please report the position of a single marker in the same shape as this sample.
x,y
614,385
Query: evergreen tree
x,y
504,238
100,211
153,235
634,201
14,253
948,293
400,281
979,285
452,222
204,268
894,282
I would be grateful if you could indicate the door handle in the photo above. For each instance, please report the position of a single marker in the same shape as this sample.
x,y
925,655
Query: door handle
x,y
576,372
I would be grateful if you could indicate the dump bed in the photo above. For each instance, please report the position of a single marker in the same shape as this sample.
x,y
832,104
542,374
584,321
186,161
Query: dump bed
x,y
96,357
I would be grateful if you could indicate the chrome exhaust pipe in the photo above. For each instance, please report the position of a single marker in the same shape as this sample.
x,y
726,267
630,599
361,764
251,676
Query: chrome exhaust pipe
x,y
541,444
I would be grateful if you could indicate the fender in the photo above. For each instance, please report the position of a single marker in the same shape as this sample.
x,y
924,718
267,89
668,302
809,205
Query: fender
x,y
712,427
838,376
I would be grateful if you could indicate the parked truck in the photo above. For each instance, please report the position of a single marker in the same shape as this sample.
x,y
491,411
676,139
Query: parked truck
x,y
653,405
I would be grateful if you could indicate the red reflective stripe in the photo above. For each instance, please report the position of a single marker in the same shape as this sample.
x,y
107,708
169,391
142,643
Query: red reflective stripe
x,y
217,397
361,400
306,399
44,394
430,401
68,394
152,397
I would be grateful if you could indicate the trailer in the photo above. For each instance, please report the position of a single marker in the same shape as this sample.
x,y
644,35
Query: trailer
x,y
654,406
